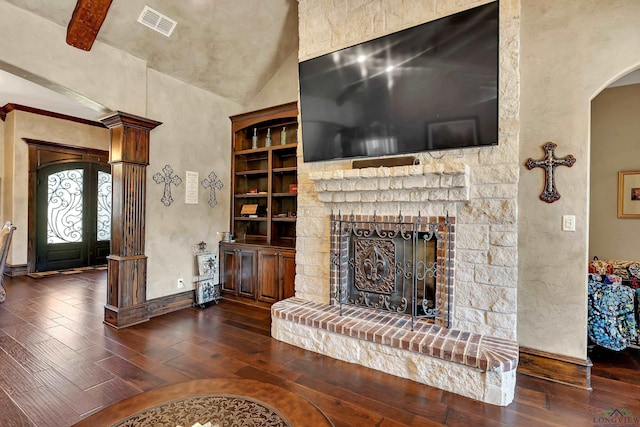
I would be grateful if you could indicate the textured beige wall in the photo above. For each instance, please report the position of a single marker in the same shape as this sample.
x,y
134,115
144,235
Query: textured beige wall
x,y
615,146
198,139
34,126
281,88
6,177
570,51
2,220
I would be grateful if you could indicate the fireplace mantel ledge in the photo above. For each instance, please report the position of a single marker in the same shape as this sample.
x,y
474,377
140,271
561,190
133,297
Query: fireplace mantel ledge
x,y
417,183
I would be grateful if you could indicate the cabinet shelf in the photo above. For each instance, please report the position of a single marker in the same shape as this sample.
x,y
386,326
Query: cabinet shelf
x,y
251,196
283,219
244,218
285,170
264,150
260,264
279,147
252,172
248,151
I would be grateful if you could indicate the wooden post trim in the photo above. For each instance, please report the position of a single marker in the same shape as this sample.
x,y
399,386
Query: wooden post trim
x,y
127,264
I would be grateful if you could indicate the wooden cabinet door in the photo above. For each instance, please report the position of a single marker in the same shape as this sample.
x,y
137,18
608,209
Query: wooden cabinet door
x,y
288,274
268,276
246,270
228,270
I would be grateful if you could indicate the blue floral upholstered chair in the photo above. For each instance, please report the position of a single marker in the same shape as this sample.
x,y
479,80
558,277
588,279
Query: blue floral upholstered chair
x,y
612,322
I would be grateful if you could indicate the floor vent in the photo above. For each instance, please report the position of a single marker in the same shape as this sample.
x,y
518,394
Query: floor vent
x,y
157,21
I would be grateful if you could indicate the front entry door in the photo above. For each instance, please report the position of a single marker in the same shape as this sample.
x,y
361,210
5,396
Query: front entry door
x,y
73,215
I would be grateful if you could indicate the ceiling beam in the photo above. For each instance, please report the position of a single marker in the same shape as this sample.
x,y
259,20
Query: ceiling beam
x,y
86,21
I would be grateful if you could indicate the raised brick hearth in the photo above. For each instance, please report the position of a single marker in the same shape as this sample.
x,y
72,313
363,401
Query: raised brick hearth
x,y
430,354
452,345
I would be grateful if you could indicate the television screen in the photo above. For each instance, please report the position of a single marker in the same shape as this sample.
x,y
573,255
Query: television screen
x,y
429,87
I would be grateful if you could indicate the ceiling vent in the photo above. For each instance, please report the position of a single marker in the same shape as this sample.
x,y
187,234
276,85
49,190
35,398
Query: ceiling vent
x,y
157,21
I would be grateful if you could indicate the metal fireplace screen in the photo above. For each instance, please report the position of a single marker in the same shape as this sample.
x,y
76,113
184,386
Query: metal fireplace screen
x,y
400,264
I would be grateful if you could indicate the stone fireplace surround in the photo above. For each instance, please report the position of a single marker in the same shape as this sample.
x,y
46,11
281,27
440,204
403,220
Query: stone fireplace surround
x,y
472,364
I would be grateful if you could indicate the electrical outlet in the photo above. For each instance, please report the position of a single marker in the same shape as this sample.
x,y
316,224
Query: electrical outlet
x,y
180,283
568,223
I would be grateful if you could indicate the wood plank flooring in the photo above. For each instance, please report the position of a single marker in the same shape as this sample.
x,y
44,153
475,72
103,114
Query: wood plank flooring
x,y
59,363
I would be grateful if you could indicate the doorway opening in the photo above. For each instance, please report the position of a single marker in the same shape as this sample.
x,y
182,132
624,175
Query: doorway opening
x,y
69,207
73,217
614,332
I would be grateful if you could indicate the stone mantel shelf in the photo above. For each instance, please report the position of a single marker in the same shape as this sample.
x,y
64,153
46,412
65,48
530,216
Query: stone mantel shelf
x,y
416,183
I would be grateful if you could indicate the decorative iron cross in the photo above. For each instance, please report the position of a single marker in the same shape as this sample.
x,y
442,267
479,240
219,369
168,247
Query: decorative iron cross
x,y
167,179
214,184
549,162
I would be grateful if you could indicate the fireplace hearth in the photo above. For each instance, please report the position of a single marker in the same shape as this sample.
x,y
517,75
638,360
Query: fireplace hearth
x,y
397,264
356,274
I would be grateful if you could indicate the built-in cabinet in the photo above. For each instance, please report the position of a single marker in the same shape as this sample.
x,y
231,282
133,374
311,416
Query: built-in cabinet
x,y
276,274
238,264
259,264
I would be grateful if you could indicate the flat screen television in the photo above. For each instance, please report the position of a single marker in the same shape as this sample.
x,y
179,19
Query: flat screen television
x,y
429,87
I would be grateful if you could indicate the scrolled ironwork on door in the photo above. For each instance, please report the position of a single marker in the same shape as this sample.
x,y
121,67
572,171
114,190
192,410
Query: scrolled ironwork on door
x,y
64,206
104,206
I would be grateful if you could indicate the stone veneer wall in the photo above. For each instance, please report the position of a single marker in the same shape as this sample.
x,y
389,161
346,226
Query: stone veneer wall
x,y
486,215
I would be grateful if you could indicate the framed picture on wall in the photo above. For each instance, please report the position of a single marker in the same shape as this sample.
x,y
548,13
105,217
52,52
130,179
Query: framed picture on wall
x,y
629,194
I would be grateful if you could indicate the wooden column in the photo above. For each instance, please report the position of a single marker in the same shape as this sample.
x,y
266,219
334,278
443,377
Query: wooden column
x,y
127,263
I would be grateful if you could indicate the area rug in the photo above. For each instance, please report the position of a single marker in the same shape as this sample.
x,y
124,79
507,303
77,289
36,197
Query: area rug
x,y
42,274
216,409
220,402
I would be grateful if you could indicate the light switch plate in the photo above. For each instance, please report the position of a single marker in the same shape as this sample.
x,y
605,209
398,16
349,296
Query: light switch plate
x,y
568,223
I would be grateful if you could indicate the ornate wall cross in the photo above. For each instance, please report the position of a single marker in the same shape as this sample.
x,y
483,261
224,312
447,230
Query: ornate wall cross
x,y
549,163
167,179
214,184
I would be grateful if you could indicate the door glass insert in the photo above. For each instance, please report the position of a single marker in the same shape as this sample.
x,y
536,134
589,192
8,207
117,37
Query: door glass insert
x,y
64,206
104,206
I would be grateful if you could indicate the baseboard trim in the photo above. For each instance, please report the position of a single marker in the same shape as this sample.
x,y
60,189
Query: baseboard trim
x,y
15,270
555,367
123,317
169,303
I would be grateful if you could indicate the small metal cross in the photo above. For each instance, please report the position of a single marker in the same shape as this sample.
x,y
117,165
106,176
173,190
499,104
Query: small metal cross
x,y
549,163
214,184
167,179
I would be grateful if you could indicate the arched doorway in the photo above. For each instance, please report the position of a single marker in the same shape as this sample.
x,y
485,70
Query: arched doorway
x,y
614,148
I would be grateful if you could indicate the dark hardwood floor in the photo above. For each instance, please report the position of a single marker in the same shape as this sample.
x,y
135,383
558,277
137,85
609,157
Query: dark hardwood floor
x,y
60,363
